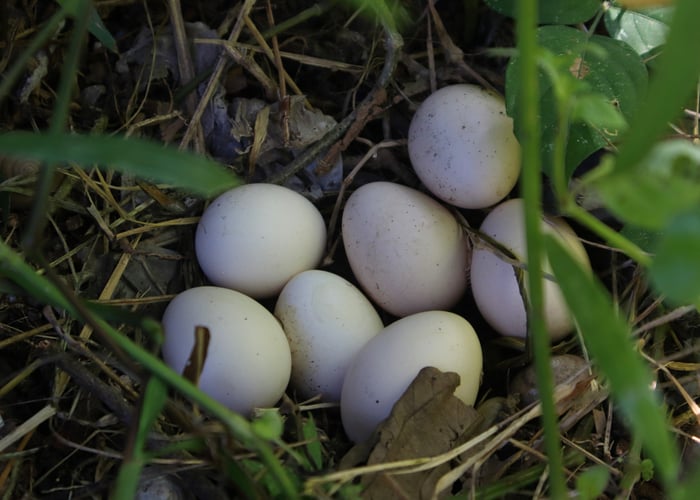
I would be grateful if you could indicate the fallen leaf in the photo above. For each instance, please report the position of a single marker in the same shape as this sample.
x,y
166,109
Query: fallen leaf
x,y
426,421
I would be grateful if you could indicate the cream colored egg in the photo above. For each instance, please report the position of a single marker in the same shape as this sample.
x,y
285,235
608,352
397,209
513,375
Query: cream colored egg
x,y
493,279
248,361
327,321
462,146
407,251
387,364
255,237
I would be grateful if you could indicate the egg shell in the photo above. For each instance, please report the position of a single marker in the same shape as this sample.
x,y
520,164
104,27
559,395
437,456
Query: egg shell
x,y
406,250
255,237
385,367
248,361
493,279
327,321
462,147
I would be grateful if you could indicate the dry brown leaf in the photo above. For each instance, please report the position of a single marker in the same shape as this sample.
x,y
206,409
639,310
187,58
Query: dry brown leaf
x,y
428,420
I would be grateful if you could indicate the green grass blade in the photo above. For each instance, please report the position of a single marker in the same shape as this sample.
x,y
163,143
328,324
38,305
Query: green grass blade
x,y
139,157
15,268
153,400
76,8
99,30
607,338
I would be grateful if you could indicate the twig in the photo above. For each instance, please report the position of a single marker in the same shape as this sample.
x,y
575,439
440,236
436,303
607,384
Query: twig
x,y
185,67
284,77
215,76
351,176
27,426
393,44
662,320
454,54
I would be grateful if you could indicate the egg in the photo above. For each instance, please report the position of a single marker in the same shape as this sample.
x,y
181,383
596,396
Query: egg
x,y
255,237
385,367
248,360
407,251
493,278
327,321
462,146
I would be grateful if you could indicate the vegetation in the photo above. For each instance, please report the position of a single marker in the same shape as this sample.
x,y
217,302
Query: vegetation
x,y
105,239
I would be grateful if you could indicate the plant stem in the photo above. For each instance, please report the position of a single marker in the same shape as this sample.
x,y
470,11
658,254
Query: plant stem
x,y
531,192
612,237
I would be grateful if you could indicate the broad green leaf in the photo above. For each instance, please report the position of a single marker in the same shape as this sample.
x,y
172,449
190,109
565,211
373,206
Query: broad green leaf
x,y
643,238
586,65
675,271
607,338
666,183
140,157
644,30
552,11
676,77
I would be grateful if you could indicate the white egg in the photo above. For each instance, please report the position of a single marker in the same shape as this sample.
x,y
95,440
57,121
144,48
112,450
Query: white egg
x,y
255,237
387,364
406,250
493,278
462,147
248,361
327,321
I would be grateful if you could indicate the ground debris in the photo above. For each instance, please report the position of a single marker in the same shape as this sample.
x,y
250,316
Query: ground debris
x,y
428,420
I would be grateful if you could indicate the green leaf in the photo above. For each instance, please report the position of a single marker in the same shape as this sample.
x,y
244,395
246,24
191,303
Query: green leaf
x,y
598,111
643,30
583,65
96,26
140,157
676,77
100,31
73,7
643,238
664,184
675,271
268,425
313,448
552,11
591,483
607,338
647,469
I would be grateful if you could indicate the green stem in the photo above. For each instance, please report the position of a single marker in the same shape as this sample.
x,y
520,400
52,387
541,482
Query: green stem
x,y
531,192
612,237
